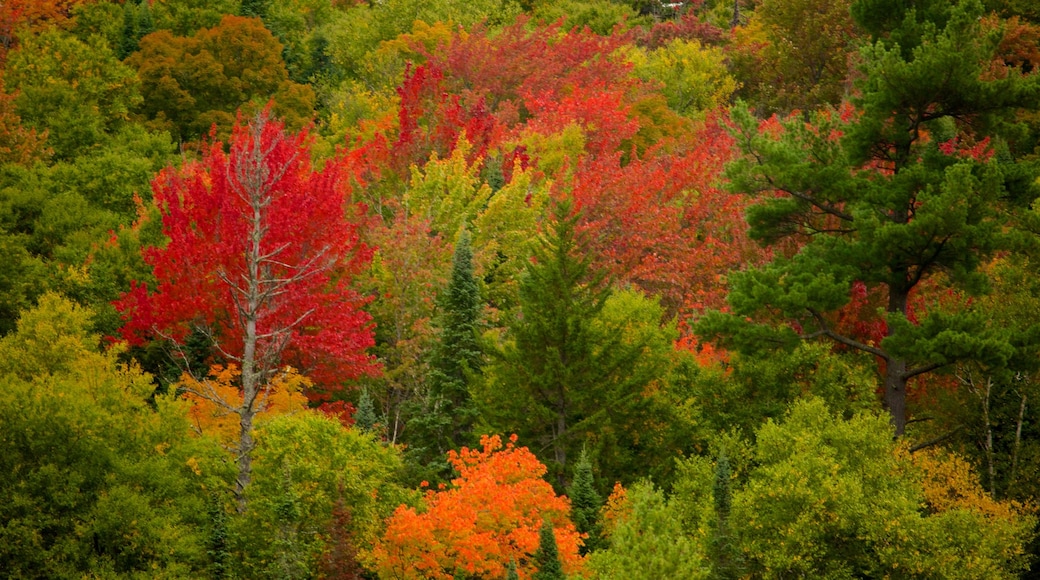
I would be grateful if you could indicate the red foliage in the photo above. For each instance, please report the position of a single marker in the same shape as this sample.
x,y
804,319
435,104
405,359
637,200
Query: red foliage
x,y
663,224
306,246
686,27
490,515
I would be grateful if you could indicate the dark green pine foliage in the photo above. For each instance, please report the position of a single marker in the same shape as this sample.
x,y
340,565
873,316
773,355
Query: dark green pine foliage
x,y
725,555
254,8
511,573
549,371
365,418
585,503
448,414
547,557
137,23
889,196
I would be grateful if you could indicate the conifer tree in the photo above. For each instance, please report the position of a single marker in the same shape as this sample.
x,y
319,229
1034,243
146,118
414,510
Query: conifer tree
x,y
725,555
906,188
365,418
547,558
448,414
585,503
511,573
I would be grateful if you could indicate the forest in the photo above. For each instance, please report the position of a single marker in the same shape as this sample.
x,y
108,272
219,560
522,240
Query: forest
x,y
520,289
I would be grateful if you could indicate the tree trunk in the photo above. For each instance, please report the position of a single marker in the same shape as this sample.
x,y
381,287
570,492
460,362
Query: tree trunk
x,y
895,368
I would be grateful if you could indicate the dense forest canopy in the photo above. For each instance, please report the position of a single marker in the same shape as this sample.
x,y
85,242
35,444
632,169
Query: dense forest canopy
x,y
519,289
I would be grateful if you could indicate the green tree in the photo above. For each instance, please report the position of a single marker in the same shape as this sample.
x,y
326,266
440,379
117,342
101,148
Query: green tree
x,y
304,465
449,413
77,91
585,503
577,361
365,418
99,476
190,83
547,558
892,196
651,541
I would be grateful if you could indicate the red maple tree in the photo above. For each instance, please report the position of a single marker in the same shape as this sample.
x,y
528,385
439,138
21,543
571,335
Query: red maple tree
x,y
260,257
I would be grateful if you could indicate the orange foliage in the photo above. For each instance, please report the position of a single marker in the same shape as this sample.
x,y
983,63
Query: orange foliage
x,y
489,515
214,398
949,482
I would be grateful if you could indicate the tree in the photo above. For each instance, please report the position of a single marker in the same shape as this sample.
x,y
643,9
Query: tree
x,y
450,413
585,503
547,558
190,83
100,475
260,258
307,468
579,362
78,92
902,192
489,516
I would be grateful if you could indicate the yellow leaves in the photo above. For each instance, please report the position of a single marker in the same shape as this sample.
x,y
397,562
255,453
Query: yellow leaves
x,y
217,400
948,482
193,465
448,191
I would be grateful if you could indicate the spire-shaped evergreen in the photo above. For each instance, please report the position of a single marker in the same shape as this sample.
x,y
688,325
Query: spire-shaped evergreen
x,y
365,417
446,420
585,503
547,558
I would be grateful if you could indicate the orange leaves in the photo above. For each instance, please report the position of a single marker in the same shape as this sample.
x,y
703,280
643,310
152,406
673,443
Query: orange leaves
x,y
489,515
214,398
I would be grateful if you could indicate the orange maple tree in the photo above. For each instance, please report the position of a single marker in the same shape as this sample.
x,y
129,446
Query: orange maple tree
x,y
489,516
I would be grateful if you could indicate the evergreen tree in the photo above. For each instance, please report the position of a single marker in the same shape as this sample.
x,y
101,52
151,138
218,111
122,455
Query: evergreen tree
x,y
365,417
511,573
547,558
724,552
585,503
448,414
909,188
577,359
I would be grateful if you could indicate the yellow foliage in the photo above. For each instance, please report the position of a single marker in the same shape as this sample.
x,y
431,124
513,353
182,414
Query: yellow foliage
x,y
948,482
216,401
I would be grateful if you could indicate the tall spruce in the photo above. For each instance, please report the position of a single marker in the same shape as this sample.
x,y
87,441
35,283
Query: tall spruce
x,y
585,503
547,373
547,558
365,417
446,419
909,188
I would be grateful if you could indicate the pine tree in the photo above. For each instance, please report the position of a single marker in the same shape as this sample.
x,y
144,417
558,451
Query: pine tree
x,y
547,558
909,188
585,503
511,573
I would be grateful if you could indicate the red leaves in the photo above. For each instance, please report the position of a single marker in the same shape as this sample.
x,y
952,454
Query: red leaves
x,y
307,247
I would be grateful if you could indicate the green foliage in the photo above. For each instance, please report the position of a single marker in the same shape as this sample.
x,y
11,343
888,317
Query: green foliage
x,y
547,558
365,419
585,504
577,361
97,479
76,90
185,17
694,78
192,83
303,465
652,541
449,414
832,498
599,16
